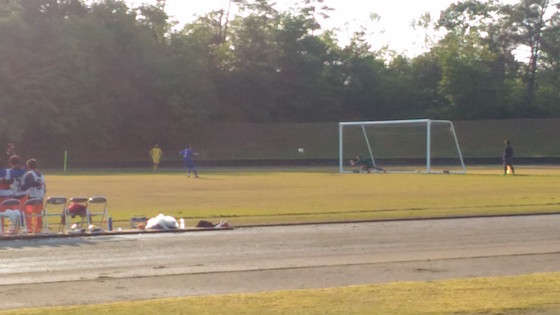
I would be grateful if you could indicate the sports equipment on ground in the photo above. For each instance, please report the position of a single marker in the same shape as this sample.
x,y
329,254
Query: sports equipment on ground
x,y
401,145
300,150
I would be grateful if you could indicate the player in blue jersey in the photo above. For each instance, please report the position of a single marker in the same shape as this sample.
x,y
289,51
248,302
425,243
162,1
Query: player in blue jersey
x,y
187,155
507,157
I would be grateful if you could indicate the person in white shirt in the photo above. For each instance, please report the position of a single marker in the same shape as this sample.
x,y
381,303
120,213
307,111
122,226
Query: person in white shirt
x,y
35,186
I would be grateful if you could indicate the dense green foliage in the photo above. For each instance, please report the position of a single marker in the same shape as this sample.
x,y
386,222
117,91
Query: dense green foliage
x,y
94,76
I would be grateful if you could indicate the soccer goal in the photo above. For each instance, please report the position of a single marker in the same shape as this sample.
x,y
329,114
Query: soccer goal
x,y
419,145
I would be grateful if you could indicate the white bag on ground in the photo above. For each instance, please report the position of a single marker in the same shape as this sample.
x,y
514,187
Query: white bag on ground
x,y
162,222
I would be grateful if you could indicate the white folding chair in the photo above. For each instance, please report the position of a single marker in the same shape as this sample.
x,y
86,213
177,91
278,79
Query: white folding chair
x,y
56,202
77,206
33,215
97,207
2,217
11,209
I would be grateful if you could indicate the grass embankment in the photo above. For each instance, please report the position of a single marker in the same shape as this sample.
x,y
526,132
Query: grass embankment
x,y
528,294
254,197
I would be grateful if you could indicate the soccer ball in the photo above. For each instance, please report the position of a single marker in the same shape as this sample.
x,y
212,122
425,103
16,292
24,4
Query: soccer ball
x,y
300,150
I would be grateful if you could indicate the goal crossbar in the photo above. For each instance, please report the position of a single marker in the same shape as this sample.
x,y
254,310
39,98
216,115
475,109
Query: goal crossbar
x,y
428,124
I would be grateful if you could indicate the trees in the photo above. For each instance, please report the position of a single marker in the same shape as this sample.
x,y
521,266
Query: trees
x,y
525,23
474,67
529,24
305,75
103,75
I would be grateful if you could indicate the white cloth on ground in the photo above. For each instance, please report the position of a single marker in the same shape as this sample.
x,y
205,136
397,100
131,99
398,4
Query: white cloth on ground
x,y
162,222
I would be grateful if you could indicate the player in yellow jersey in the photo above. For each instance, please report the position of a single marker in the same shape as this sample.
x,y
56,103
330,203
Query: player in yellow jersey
x,y
156,154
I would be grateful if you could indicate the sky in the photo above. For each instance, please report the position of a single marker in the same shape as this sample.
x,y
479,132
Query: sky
x,y
393,29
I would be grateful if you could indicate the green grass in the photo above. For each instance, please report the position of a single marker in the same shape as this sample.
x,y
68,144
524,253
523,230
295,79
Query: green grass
x,y
527,294
258,197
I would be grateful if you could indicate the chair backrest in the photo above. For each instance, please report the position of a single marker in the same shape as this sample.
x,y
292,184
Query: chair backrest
x,y
33,202
97,199
78,199
56,200
11,203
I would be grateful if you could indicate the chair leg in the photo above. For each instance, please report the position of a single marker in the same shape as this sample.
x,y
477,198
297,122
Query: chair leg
x,y
60,226
67,218
29,223
39,226
45,225
21,223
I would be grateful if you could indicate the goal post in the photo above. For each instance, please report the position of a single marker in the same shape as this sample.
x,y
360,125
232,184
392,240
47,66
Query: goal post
x,y
401,145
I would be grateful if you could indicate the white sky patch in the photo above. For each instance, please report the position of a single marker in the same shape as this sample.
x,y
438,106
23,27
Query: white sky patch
x,y
393,29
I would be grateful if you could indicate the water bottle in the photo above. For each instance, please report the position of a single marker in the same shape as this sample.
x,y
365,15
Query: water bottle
x,y
182,223
110,224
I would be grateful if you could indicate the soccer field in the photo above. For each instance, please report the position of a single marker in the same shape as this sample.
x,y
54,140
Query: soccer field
x,y
276,196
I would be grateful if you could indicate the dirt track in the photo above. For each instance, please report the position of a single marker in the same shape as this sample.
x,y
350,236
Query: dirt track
x,y
44,272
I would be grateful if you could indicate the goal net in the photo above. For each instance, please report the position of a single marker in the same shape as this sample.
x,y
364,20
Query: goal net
x,y
420,145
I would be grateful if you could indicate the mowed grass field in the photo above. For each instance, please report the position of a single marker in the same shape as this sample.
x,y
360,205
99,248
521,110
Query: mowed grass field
x,y
537,294
253,196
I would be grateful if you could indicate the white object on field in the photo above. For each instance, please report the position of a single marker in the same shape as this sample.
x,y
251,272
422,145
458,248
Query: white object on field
x,y
162,222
